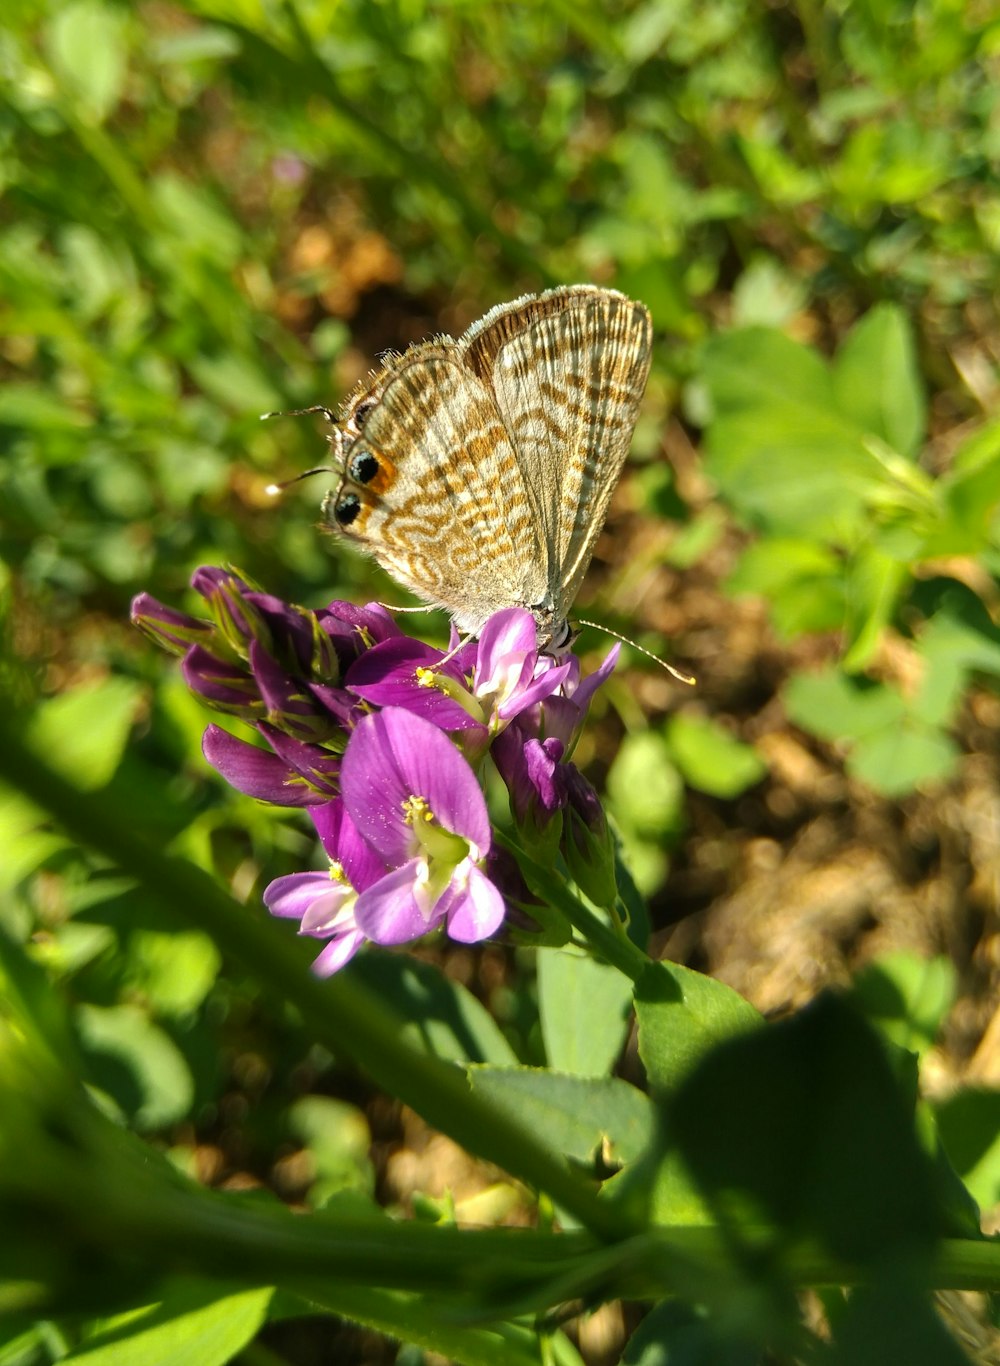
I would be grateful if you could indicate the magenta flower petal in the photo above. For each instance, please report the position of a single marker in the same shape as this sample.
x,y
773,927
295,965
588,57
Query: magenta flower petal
x,y
388,913
394,756
344,845
294,897
340,704
536,691
476,912
314,765
171,629
530,768
338,952
254,771
208,579
386,676
223,685
345,621
324,908
291,704
510,676
508,646
586,689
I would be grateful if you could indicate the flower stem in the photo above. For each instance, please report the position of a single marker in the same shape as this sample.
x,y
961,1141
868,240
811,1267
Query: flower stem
x,y
609,941
341,1013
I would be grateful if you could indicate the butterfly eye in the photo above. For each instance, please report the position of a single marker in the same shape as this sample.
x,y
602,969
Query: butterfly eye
x,y
363,467
347,508
360,414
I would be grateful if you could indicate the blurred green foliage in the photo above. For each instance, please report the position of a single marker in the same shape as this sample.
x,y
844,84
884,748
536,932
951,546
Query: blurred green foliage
x,y
212,210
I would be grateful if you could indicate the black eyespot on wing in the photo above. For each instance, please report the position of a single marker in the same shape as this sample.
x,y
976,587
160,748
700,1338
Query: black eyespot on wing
x,y
363,467
346,508
361,412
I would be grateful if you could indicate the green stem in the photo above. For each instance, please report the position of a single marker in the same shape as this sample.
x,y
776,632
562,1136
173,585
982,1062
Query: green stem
x,y
609,941
341,1013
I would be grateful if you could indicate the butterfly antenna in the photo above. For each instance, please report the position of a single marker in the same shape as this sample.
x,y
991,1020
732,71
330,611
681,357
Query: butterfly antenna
x,y
679,674
328,413
335,440
275,489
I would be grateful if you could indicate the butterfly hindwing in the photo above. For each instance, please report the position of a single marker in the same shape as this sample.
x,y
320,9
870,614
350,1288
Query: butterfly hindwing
x,y
568,370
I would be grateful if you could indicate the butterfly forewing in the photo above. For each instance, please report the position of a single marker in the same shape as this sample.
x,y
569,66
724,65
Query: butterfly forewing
x,y
445,510
568,370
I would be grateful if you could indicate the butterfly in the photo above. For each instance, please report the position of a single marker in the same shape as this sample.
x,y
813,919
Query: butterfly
x,y
478,472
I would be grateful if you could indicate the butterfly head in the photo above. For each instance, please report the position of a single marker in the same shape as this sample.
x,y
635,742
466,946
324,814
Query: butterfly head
x,y
556,634
359,466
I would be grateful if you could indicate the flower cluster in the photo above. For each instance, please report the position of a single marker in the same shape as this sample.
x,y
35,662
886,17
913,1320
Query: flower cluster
x,y
384,740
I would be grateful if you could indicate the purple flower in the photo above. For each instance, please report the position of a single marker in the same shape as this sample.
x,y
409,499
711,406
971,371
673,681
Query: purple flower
x,y
510,675
174,631
588,845
529,767
417,803
295,775
354,630
407,673
289,169
563,715
225,686
289,634
381,737
324,903
277,666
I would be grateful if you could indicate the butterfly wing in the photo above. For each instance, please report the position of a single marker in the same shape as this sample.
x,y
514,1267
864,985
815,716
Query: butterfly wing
x,y
567,370
432,489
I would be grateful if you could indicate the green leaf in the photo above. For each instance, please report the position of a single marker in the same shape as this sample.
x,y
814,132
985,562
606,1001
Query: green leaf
x,y
584,1007
338,1139
135,1063
196,1324
657,1188
644,788
29,405
837,708
873,588
710,759
576,1116
83,733
960,639
901,759
442,1017
877,379
803,1130
780,448
201,223
766,294
970,495
892,1321
681,1014
802,581
28,844
174,972
235,382
906,997
675,1334
969,1125
86,45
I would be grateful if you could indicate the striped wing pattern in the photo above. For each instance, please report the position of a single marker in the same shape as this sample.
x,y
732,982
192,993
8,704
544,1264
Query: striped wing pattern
x,y
482,472
446,514
568,382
